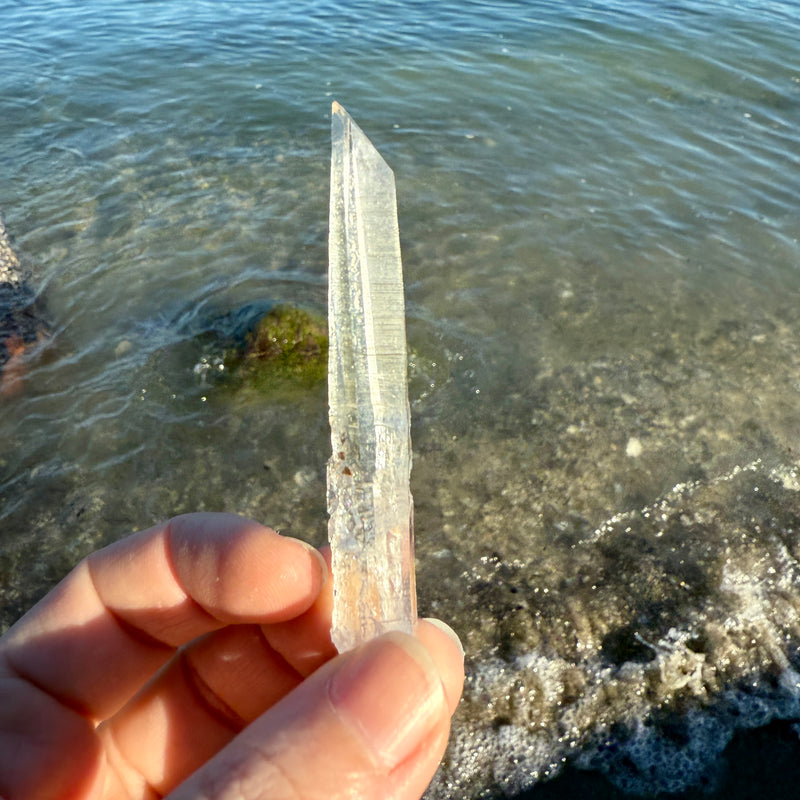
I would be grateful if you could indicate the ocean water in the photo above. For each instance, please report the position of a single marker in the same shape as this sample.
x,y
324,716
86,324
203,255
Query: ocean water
x,y
599,205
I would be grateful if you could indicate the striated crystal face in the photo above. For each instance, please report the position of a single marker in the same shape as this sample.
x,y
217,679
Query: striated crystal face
x,y
369,498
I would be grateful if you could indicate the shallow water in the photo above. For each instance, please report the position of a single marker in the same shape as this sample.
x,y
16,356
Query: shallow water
x,y
599,220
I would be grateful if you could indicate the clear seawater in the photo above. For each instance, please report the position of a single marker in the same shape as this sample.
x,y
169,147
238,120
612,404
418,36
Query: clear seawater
x,y
599,205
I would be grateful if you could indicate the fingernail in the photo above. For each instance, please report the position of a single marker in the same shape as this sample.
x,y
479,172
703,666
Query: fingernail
x,y
319,557
445,628
390,695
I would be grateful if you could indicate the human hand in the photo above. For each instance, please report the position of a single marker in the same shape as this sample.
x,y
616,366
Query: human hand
x,y
194,660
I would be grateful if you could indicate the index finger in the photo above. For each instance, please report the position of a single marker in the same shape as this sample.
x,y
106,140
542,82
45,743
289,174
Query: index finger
x,y
120,614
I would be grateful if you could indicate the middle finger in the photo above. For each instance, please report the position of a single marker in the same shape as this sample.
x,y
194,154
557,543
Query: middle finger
x,y
197,703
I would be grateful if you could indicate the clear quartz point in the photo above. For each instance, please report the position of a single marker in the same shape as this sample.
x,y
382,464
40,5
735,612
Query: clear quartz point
x,y
369,497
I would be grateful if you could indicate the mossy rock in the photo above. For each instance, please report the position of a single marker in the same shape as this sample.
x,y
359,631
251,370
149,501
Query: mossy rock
x,y
286,352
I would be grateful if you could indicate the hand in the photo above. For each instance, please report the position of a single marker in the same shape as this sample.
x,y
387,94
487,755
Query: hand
x,y
194,660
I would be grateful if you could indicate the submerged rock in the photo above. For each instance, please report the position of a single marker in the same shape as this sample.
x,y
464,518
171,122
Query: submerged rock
x,y
21,324
246,355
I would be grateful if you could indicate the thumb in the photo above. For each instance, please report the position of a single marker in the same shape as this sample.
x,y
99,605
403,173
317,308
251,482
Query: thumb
x,y
370,723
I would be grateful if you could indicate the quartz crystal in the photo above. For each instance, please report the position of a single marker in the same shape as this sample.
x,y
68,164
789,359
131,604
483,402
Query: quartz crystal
x,y
369,498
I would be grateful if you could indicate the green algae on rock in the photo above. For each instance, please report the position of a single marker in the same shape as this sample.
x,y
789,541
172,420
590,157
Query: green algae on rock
x,y
287,351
